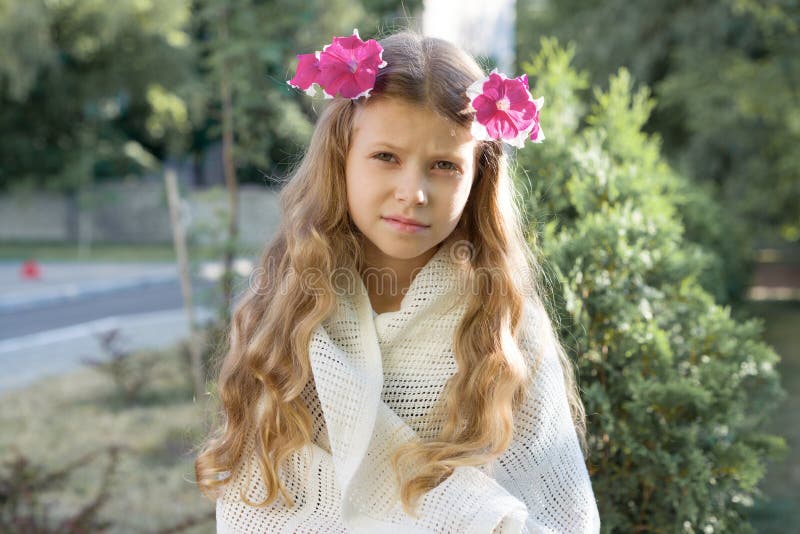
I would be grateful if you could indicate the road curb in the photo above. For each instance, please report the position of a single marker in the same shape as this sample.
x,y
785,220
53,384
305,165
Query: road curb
x,y
72,292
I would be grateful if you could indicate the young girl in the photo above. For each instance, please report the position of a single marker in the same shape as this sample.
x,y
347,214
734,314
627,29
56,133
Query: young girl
x,y
392,367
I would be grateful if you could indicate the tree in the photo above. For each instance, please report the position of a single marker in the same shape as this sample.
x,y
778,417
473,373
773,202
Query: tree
x,y
725,75
76,79
676,391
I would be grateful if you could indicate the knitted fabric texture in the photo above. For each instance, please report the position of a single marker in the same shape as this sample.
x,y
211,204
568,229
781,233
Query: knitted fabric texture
x,y
376,382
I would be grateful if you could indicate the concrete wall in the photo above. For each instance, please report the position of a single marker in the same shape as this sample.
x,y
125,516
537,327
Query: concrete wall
x,y
39,217
134,212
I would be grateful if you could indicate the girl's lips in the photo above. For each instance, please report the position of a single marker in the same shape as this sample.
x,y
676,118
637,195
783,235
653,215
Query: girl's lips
x,y
404,227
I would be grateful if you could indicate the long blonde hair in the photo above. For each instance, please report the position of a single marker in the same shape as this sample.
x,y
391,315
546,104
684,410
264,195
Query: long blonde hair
x,y
267,358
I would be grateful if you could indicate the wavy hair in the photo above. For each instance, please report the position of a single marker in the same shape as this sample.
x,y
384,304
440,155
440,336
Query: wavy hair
x,y
267,358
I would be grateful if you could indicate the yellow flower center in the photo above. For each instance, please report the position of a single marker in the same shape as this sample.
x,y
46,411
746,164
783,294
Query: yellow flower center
x,y
503,104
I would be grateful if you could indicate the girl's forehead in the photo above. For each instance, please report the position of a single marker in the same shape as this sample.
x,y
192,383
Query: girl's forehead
x,y
401,120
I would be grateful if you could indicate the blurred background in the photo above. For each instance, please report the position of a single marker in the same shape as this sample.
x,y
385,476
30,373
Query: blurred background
x,y
142,148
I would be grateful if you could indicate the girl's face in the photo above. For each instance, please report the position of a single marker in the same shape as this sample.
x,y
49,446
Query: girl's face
x,y
406,161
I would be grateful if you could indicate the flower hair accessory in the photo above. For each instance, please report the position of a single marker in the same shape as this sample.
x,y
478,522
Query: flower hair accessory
x,y
504,109
347,67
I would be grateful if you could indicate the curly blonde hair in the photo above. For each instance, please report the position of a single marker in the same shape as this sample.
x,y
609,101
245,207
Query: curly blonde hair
x,y
267,356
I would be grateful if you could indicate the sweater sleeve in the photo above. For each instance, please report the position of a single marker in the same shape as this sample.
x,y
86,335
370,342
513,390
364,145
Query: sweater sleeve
x,y
544,465
468,501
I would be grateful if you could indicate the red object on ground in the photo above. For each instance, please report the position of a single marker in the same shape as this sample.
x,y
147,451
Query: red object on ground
x,y
30,270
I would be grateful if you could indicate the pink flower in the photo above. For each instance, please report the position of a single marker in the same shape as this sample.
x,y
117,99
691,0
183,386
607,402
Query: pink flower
x,y
504,109
349,66
307,73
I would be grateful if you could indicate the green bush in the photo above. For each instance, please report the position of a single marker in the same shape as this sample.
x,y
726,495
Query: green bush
x,y
676,391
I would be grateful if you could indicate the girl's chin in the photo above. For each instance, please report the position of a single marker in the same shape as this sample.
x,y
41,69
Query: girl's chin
x,y
399,249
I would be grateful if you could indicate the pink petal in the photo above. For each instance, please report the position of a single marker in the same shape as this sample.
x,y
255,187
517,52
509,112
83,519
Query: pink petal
x,y
485,108
357,83
333,55
500,126
307,71
334,68
349,42
535,132
331,79
365,79
524,116
349,66
493,87
517,93
369,54
519,119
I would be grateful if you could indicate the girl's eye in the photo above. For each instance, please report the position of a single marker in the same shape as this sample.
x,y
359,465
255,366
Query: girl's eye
x,y
384,156
446,166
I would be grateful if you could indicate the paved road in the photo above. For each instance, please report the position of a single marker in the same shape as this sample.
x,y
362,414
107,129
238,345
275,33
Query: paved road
x,y
151,297
26,359
48,326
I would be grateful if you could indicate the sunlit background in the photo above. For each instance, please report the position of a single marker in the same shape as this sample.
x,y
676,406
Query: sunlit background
x,y
143,145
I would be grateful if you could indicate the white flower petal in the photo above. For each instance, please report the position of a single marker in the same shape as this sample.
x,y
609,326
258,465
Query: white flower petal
x,y
362,93
519,140
502,75
479,132
475,89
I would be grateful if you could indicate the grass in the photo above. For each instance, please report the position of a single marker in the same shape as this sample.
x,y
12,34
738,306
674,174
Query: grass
x,y
58,420
781,485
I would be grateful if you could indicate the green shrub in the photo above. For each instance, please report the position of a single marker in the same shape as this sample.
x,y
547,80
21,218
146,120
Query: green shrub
x,y
676,391
129,374
24,486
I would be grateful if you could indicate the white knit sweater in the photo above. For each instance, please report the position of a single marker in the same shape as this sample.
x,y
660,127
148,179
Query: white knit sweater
x,y
375,380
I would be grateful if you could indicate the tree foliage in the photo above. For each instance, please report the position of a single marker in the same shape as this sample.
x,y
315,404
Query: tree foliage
x,y
81,83
256,55
725,74
676,391
94,89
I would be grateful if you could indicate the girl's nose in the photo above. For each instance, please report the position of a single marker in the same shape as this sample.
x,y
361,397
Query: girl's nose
x,y
411,188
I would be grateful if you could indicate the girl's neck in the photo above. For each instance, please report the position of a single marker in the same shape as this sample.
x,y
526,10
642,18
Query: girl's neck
x,y
387,279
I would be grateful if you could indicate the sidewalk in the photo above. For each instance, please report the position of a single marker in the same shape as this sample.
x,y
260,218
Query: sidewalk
x,y
66,280
26,359
65,287
62,281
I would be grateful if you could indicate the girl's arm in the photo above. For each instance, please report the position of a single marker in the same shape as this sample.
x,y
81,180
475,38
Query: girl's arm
x,y
468,501
544,466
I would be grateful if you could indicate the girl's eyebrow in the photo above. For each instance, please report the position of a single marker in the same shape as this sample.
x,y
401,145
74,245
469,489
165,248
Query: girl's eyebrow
x,y
384,144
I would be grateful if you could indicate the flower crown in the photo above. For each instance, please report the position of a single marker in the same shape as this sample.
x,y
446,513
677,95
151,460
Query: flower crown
x,y
504,108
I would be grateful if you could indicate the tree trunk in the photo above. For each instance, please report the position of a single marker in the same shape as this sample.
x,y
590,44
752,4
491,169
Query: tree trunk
x,y
230,177
179,242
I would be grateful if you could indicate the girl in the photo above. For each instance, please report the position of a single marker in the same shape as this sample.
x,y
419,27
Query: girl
x,y
392,367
